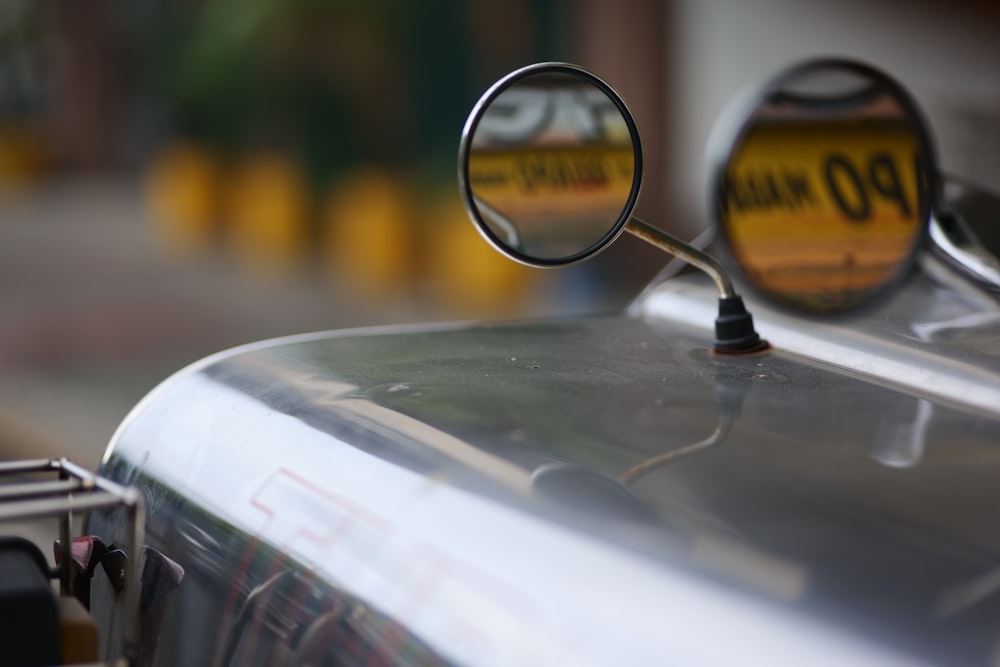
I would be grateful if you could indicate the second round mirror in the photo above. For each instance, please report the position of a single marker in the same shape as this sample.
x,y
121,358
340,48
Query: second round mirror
x,y
824,189
550,164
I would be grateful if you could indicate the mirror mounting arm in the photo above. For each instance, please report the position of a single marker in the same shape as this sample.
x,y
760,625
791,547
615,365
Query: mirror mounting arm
x,y
688,253
489,137
734,330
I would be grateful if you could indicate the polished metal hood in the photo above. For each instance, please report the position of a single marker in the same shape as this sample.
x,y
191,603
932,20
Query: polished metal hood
x,y
822,494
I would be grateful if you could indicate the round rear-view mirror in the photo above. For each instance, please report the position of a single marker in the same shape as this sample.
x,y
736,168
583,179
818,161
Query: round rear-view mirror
x,y
823,185
550,164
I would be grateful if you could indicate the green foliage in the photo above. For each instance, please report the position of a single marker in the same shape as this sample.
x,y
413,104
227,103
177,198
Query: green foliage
x,y
334,82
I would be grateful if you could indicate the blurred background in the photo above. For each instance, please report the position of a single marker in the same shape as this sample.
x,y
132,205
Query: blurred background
x,y
182,176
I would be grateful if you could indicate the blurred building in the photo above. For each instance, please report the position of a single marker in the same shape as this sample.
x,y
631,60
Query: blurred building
x,y
262,167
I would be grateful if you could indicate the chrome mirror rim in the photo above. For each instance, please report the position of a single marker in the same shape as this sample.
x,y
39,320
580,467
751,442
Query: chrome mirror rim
x,y
971,259
464,151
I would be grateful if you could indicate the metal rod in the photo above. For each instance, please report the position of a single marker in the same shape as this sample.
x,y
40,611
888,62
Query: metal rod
x,y
26,490
34,509
28,465
94,479
688,253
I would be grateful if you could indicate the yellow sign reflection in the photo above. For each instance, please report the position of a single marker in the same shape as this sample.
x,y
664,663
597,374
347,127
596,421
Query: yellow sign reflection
x,y
823,211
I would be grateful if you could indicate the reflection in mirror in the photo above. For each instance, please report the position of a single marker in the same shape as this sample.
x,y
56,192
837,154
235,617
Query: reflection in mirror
x,y
824,195
550,164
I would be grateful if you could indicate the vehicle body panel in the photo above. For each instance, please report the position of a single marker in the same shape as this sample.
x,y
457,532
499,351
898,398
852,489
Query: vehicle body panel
x,y
459,487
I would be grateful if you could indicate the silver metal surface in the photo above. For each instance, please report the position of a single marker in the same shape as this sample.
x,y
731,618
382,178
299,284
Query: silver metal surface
x,y
460,485
931,340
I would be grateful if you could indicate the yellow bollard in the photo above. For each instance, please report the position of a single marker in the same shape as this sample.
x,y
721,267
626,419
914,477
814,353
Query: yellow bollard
x,y
182,188
267,213
368,239
469,277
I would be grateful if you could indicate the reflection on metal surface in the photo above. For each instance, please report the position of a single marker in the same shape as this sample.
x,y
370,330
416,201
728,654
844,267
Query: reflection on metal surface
x,y
266,451
965,377
637,472
901,443
160,577
780,578
254,604
960,597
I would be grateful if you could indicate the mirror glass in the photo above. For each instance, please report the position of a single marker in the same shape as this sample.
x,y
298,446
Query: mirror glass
x,y
550,164
824,194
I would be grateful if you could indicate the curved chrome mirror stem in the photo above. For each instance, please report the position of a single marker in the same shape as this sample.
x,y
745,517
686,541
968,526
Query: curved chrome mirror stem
x,y
688,253
734,329
975,262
